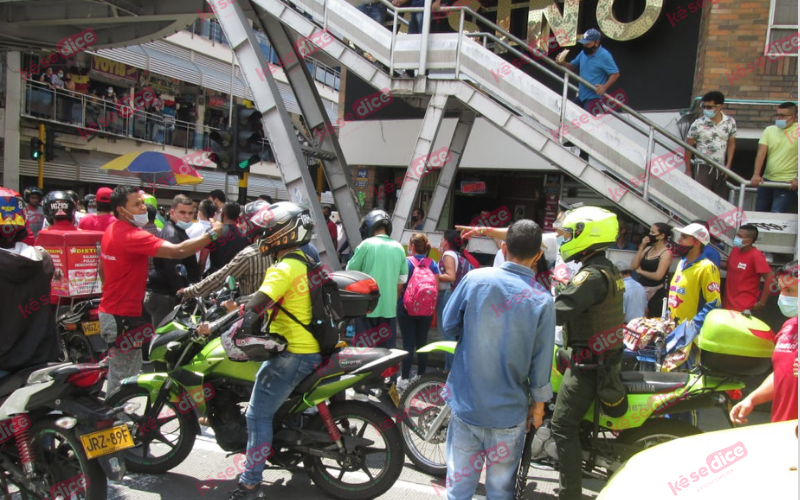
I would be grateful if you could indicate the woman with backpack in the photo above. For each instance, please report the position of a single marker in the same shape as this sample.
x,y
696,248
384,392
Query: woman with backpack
x,y
417,304
455,263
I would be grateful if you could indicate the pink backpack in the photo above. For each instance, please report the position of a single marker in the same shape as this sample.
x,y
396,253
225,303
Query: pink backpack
x,y
421,292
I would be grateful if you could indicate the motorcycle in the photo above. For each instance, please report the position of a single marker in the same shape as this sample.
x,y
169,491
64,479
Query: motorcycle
x,y
345,446
607,442
79,330
57,439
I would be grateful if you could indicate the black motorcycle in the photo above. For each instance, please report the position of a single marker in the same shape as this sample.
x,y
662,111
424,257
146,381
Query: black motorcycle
x,y
78,326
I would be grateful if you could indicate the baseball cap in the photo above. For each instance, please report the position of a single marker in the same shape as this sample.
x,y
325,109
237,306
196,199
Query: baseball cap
x,y
590,36
698,231
103,195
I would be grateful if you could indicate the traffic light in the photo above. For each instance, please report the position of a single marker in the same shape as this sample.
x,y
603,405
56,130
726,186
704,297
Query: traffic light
x,y
247,130
49,144
222,149
36,148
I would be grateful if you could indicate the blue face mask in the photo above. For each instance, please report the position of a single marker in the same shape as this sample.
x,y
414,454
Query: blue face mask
x,y
183,225
559,240
780,123
737,242
787,305
709,113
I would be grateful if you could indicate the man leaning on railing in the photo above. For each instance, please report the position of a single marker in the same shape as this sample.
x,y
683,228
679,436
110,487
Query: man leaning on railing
x,y
778,145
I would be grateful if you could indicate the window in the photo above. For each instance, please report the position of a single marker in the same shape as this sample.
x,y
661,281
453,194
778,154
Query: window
x,y
782,30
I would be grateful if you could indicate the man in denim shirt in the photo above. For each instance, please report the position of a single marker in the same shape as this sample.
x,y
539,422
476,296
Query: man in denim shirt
x,y
501,373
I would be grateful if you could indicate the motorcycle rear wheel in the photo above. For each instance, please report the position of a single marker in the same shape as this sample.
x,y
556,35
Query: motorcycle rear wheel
x,y
656,431
147,428
421,403
328,474
78,348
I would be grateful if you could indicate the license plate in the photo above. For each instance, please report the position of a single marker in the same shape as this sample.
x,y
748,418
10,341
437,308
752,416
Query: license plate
x,y
393,394
91,327
107,441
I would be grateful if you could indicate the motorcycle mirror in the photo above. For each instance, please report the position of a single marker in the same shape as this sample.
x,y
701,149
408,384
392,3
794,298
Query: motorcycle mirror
x,y
173,346
231,281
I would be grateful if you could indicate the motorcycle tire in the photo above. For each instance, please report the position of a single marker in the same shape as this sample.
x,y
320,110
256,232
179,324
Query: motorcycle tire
x,y
435,465
136,458
656,431
331,482
78,348
60,458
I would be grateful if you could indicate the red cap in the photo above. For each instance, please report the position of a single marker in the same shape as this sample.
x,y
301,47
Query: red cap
x,y
104,195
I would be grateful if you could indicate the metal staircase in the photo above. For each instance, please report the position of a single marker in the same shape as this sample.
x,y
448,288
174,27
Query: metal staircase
x,y
464,73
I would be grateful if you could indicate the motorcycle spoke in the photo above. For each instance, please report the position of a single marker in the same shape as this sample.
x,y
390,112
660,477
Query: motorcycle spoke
x,y
369,474
372,451
362,431
165,420
341,474
164,440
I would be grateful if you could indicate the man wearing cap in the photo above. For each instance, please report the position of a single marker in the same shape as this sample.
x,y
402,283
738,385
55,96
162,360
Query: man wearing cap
x,y
596,65
103,218
695,287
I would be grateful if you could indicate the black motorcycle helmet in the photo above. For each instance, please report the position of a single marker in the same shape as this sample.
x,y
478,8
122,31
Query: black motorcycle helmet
x,y
285,225
89,201
58,205
72,194
32,190
374,220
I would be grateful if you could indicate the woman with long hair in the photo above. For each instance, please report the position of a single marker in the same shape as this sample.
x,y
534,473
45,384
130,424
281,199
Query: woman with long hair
x,y
415,328
652,263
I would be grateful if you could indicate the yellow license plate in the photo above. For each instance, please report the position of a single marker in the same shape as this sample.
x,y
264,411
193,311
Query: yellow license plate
x,y
393,394
108,441
91,327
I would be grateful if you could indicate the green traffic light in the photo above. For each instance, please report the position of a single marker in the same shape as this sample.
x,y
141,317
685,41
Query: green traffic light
x,y
36,154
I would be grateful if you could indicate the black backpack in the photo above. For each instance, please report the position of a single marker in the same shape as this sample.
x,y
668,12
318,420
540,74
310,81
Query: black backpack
x,y
326,306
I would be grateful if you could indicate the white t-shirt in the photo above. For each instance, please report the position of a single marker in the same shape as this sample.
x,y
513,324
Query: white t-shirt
x,y
499,259
454,255
195,230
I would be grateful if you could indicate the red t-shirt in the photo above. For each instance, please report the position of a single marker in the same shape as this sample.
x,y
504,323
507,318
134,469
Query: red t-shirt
x,y
94,222
334,232
742,287
784,401
124,251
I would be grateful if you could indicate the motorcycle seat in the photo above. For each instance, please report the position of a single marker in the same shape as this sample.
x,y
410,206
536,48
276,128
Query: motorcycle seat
x,y
14,381
341,362
651,382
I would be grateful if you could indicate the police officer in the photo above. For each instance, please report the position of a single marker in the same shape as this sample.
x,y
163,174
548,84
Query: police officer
x,y
590,304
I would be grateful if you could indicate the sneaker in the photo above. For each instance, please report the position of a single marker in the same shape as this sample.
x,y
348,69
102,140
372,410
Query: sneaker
x,y
242,493
402,384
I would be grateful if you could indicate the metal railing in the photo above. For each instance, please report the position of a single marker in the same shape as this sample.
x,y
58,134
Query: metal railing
x,y
92,116
631,118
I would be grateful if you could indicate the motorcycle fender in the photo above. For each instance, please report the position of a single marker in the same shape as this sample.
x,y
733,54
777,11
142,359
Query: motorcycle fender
x,y
153,382
448,346
98,344
113,465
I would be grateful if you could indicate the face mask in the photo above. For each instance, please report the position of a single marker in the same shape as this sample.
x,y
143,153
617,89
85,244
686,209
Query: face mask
x,y
110,91
651,239
559,240
589,50
61,75
183,225
738,242
787,305
681,250
92,210
415,218
139,220
709,113
781,123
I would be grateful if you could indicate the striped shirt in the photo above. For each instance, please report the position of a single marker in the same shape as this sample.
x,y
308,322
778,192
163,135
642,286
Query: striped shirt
x,y
248,266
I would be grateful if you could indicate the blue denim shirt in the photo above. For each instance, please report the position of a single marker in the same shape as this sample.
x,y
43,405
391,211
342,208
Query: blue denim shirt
x,y
504,355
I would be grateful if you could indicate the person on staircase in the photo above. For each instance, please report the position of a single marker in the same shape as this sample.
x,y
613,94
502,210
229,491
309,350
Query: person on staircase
x,y
596,65
714,135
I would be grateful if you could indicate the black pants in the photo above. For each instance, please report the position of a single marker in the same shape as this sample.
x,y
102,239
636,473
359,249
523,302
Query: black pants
x,y
415,335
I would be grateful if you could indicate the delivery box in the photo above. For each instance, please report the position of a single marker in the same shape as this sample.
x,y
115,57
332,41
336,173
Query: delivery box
x,y
75,257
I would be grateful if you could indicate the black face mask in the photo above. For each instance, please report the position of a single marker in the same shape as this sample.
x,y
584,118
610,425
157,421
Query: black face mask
x,y
652,239
415,218
681,250
590,50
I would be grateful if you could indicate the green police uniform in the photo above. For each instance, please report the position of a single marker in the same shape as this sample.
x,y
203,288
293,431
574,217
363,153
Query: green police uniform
x,y
590,304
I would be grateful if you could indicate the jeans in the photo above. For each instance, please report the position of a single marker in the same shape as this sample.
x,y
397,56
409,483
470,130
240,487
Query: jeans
x,y
275,381
415,23
444,296
122,363
376,11
415,335
775,200
469,446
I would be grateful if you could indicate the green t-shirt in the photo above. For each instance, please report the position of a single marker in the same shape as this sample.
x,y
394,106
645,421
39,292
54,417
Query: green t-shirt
x,y
385,260
781,153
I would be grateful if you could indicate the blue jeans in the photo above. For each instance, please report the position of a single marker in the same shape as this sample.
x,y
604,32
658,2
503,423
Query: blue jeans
x,y
415,23
275,381
415,335
376,11
469,447
444,296
775,200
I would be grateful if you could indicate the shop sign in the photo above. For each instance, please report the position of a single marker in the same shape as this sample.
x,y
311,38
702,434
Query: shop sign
x,y
473,187
218,102
114,70
361,183
363,172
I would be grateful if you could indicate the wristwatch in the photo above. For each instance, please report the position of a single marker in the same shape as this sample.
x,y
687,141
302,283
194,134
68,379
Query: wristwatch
x,y
212,234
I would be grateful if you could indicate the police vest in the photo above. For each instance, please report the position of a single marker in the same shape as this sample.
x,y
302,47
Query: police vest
x,y
601,317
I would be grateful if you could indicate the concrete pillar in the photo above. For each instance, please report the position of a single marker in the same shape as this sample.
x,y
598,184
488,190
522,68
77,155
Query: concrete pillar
x,y
13,99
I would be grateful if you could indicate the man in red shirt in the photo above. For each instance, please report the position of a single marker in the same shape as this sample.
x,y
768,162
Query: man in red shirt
x,y
332,229
746,265
103,218
780,387
123,268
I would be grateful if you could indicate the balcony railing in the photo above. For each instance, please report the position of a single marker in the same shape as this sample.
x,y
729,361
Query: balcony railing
x,y
92,116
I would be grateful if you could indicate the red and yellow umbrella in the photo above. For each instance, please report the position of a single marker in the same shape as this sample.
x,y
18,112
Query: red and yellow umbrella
x,y
154,167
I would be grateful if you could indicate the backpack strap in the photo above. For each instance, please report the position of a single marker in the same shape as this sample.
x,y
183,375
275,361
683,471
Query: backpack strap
x,y
413,260
308,264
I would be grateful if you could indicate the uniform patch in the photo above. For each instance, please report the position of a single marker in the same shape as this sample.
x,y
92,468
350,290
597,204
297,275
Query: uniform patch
x,y
580,277
713,287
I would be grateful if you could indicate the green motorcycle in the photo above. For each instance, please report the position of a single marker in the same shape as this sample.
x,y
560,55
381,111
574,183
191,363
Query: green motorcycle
x,y
344,445
732,347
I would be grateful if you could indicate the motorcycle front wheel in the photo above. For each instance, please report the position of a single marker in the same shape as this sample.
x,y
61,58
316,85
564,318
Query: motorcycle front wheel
x,y
163,441
422,403
365,472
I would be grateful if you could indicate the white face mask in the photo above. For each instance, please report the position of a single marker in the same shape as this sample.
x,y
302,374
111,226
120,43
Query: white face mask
x,y
139,220
183,225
